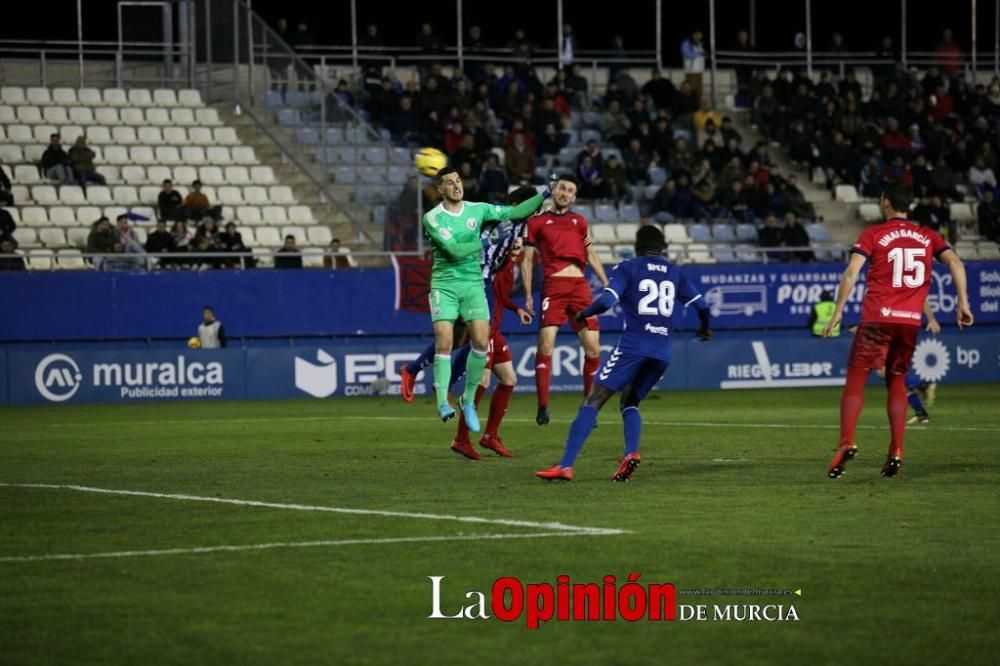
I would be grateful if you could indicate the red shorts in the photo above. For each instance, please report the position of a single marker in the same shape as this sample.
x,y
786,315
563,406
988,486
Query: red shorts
x,y
562,298
499,351
888,346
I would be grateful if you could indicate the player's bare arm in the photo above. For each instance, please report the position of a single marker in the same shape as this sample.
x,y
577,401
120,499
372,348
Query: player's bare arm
x,y
527,263
933,326
847,282
963,313
595,263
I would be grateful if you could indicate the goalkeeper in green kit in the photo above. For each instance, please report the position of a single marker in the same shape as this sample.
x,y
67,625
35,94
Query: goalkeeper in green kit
x,y
454,227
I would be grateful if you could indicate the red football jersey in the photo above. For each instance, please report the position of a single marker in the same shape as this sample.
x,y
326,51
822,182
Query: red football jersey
x,y
560,238
899,270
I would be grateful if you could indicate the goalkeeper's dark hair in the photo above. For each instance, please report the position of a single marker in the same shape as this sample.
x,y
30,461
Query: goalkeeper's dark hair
x,y
442,173
649,241
521,194
899,196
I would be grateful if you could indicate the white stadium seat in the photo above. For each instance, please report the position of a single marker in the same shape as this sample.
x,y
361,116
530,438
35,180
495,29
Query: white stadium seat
x,y
110,173
12,95
55,114
107,116
274,214
39,96
52,237
177,136
116,155
133,174
98,194
29,114
150,136
190,98
143,155
11,154
182,116
140,97
218,155
869,212
26,237
225,135
41,133
72,194
82,114
100,135
319,234
89,97
301,214
263,255
164,97
230,196
35,216
45,194
962,212
244,155
115,97
26,174
70,259
237,175
248,235
248,214
64,96
123,194
62,216
77,236
201,136
193,155
255,195
87,215
124,135
7,114
184,175
150,193
40,260
158,174
20,134
207,116
312,257
159,117
211,175
168,155
268,236
133,117
281,194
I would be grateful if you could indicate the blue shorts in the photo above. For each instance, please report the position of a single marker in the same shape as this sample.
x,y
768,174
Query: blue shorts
x,y
623,369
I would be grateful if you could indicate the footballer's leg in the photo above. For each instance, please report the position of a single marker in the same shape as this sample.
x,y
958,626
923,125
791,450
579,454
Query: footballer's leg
x,y
543,367
914,395
479,331
502,365
442,368
408,373
646,378
590,338
899,356
868,350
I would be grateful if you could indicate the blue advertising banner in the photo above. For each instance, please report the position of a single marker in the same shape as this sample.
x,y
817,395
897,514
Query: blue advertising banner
x,y
72,376
3,377
259,303
736,360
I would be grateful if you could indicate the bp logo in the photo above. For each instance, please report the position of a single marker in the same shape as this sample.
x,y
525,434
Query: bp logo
x,y
57,377
931,360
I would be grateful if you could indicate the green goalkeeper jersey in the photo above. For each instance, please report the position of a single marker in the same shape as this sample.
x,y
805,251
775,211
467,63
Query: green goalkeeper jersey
x,y
455,237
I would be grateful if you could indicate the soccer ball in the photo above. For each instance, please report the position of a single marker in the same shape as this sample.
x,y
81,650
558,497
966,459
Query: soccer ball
x,y
429,161
194,343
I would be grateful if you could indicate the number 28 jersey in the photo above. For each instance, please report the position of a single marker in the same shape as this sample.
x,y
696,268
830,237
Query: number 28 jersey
x,y
650,291
899,257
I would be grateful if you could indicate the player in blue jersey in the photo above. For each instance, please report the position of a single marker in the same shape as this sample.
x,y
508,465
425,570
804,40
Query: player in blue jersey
x,y
650,289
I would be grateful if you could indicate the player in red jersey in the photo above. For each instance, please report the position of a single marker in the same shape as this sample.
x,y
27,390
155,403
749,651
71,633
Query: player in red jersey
x,y
561,239
899,275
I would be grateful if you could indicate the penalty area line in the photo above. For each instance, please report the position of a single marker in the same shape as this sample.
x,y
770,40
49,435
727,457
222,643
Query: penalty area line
x,y
201,550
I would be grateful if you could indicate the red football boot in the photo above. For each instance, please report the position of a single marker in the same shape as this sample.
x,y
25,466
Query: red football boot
x,y
626,468
406,384
465,449
556,473
840,458
495,444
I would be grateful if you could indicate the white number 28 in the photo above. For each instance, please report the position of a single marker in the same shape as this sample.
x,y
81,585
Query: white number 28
x,y
662,294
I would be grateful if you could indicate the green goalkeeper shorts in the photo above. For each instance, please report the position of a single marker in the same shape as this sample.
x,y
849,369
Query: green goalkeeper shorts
x,y
452,300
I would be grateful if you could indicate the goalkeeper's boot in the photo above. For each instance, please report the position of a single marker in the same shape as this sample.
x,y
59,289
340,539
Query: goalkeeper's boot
x,y
840,458
465,449
446,412
920,417
556,473
893,466
495,444
542,418
626,468
406,381
469,412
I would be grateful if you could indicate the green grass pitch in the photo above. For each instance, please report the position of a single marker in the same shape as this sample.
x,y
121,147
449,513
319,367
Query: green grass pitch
x,y
732,493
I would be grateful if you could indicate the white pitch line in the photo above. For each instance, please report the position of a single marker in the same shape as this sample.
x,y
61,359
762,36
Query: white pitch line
x,y
348,417
294,544
560,527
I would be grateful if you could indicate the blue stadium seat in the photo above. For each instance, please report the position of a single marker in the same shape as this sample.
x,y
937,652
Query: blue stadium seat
x,y
272,100
567,156
335,135
375,155
658,175
606,213
818,232
307,136
630,213
296,99
700,233
344,175
746,254
372,175
398,175
289,117
724,254
746,233
590,135
401,156
723,233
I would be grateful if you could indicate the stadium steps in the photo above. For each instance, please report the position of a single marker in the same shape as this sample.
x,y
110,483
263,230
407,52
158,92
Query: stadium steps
x,y
287,173
840,218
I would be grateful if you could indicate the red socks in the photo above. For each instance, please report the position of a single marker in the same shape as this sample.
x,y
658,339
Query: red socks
x,y
852,401
498,407
463,430
590,366
543,378
896,408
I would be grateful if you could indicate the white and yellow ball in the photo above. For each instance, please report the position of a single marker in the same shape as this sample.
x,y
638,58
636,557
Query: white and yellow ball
x,y
429,161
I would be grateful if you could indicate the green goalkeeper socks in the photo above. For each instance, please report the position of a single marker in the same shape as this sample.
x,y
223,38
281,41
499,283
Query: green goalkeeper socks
x,y
442,377
473,374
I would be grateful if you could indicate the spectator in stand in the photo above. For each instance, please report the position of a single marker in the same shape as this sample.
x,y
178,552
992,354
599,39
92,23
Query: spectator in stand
x,y
82,159
127,236
278,64
519,159
949,54
681,158
734,203
921,176
197,206
940,104
493,183
168,202
428,42
744,73
988,216
470,183
637,163
982,178
577,87
795,199
289,255
588,176
12,262
897,172
371,39
934,214
732,172
703,115
693,53
894,142
102,239
6,196
795,235
943,181
888,53
550,143
614,182
383,102
683,199
55,162
160,241
593,149
338,257
7,225
663,203
615,125
518,129
232,241
771,236
466,153
660,90
405,123
182,239
871,178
